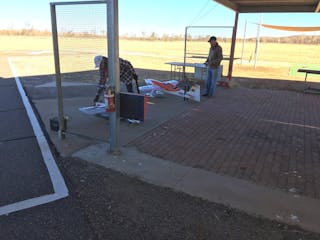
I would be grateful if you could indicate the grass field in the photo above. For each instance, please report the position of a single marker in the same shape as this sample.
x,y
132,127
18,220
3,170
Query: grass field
x,y
33,56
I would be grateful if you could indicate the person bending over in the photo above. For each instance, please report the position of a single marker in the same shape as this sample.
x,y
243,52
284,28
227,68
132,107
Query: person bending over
x,y
127,73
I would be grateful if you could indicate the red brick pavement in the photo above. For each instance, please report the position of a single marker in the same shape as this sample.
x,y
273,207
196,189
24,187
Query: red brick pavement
x,y
266,136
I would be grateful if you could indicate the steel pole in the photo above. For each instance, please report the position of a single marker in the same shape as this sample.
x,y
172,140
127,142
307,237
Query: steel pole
x,y
185,55
233,45
62,126
244,40
114,72
256,52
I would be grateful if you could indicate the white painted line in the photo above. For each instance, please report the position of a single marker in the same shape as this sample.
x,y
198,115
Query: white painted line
x,y
59,186
25,204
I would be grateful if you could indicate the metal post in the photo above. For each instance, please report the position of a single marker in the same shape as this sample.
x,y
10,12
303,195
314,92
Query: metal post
x,y
244,40
257,43
57,71
233,45
114,72
185,55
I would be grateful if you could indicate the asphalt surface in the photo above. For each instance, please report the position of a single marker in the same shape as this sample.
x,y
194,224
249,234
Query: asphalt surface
x,y
23,173
24,176
63,219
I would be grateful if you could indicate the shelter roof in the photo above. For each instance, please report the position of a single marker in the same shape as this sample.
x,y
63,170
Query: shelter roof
x,y
255,6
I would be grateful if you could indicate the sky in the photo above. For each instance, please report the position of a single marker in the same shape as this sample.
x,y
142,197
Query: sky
x,y
144,17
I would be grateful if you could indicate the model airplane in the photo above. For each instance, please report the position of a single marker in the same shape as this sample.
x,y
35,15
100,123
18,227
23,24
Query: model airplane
x,y
157,88
133,107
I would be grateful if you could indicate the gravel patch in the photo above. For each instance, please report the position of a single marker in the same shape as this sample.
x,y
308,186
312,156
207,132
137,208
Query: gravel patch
x,y
122,207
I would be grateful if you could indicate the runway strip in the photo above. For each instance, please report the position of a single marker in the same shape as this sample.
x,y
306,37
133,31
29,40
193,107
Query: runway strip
x,y
59,186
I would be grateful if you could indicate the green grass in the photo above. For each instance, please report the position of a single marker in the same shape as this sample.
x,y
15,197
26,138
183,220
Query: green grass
x,y
294,70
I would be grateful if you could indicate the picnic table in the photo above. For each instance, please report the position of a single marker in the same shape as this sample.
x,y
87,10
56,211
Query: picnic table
x,y
307,88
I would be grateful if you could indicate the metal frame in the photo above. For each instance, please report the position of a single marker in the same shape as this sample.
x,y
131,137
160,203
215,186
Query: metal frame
x,y
77,3
113,67
185,45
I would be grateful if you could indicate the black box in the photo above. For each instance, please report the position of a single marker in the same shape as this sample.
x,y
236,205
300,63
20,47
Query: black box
x,y
54,123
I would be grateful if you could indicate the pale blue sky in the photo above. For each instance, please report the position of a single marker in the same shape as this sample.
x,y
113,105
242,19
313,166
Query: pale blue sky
x,y
160,16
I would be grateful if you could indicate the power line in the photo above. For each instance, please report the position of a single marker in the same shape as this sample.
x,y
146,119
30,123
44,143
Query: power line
x,y
210,10
199,13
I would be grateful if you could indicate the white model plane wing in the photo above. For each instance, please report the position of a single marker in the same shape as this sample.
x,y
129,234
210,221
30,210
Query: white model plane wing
x,y
98,109
155,87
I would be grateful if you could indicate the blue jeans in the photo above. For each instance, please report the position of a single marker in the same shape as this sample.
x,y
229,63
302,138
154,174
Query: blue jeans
x,y
211,82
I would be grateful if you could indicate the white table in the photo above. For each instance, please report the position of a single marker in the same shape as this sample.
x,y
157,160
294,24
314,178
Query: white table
x,y
200,70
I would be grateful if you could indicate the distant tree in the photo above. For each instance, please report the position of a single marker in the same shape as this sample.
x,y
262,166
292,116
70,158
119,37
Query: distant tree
x,y
153,36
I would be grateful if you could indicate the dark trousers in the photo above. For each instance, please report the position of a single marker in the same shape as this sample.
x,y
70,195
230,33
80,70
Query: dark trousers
x,y
129,87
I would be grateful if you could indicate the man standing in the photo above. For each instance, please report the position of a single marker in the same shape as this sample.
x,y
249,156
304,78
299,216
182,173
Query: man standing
x,y
127,73
213,62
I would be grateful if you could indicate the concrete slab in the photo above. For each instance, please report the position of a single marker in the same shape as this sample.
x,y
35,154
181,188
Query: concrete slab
x,y
23,172
134,163
67,92
64,84
252,198
84,130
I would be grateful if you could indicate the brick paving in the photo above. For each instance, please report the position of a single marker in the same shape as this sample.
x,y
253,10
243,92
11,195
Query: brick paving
x,y
270,137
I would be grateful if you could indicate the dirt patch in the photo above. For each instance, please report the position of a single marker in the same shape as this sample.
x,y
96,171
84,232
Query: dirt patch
x,y
275,84
121,207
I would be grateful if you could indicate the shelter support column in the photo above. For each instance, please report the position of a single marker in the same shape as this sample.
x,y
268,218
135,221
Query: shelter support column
x,y
233,45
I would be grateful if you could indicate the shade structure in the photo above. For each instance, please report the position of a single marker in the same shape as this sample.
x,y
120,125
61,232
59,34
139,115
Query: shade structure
x,y
266,6
259,6
293,29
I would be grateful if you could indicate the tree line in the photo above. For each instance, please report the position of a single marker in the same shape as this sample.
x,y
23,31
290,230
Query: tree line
x,y
297,39
24,32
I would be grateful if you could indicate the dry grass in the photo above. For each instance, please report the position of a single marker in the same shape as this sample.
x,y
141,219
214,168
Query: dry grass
x,y
34,56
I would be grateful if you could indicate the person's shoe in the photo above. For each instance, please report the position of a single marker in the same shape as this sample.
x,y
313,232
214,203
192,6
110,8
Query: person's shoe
x,y
206,94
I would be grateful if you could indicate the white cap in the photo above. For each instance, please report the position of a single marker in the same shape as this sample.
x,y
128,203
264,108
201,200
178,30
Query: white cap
x,y
97,60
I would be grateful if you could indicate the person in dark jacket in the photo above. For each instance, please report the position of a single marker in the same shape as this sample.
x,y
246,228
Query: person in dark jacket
x,y
213,62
